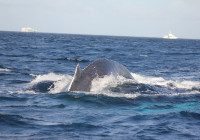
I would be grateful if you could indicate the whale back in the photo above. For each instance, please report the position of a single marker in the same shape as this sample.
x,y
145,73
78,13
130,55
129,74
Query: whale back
x,y
82,79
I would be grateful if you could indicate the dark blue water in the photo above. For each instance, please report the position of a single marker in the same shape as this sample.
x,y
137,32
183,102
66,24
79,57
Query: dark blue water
x,y
35,68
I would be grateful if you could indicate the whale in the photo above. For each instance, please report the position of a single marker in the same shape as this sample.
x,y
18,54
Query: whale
x,y
82,78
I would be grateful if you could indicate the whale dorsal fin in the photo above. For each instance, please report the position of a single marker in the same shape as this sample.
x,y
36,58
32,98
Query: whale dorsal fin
x,y
77,75
77,72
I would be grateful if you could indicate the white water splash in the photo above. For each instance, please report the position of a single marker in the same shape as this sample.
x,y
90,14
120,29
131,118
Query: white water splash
x,y
166,87
60,81
5,70
114,94
99,84
159,81
61,85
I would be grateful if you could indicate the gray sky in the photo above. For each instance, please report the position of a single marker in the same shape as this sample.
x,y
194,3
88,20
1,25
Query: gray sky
x,y
148,18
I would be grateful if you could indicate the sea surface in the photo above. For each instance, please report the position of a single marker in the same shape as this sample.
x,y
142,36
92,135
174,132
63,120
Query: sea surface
x,y
161,103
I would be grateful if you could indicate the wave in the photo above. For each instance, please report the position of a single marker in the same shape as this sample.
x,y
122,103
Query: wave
x,y
14,120
159,81
119,86
5,70
189,114
143,86
48,83
73,59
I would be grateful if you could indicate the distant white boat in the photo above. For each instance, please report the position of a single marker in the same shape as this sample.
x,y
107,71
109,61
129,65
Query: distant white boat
x,y
27,29
170,36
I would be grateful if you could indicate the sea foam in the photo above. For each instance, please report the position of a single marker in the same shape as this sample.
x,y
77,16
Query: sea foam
x,y
154,86
5,70
60,81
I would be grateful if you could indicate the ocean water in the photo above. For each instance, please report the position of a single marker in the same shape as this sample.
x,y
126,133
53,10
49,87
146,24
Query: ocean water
x,y
163,102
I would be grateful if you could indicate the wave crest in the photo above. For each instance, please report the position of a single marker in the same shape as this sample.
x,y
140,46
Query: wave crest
x,y
49,83
116,86
73,59
5,70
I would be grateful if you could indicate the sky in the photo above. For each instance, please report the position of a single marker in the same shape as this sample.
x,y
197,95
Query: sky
x,y
139,18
